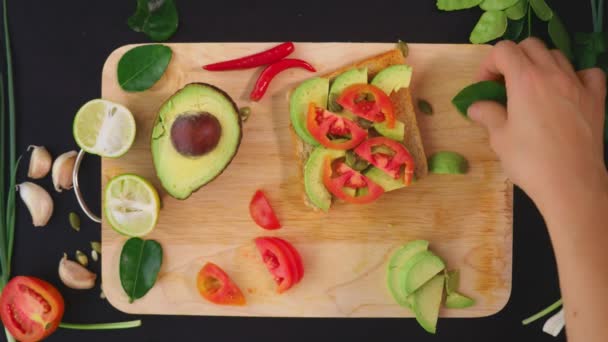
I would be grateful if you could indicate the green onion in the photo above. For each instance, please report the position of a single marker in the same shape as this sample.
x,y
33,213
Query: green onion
x,y
542,313
101,326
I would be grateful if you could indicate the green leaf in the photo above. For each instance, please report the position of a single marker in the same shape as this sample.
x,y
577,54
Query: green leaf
x,y
497,5
482,91
454,5
491,25
517,11
141,67
588,47
542,10
140,262
515,30
158,19
560,36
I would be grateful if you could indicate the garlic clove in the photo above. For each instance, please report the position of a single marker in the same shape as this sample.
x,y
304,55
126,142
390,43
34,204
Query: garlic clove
x,y
38,202
74,275
62,171
40,162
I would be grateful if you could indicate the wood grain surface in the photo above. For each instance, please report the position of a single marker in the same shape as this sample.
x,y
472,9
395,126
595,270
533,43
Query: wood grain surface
x,y
468,218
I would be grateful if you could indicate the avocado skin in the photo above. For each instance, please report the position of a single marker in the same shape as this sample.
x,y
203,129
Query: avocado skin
x,y
238,144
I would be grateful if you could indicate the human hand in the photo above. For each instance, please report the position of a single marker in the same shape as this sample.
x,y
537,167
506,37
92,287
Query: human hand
x,y
550,136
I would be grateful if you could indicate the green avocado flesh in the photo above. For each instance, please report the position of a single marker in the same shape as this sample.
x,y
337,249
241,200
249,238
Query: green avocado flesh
x,y
393,78
395,133
196,134
399,258
380,177
423,267
426,303
343,81
457,301
313,176
312,90
448,163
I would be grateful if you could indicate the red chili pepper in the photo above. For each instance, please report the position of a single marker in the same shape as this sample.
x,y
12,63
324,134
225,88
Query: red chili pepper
x,y
265,57
261,85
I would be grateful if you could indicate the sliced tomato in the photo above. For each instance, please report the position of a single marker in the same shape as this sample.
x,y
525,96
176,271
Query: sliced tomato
x,y
216,286
262,213
31,309
281,261
368,102
390,156
321,122
346,177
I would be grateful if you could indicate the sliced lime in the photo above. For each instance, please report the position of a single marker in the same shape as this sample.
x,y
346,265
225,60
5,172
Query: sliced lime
x,y
131,205
104,128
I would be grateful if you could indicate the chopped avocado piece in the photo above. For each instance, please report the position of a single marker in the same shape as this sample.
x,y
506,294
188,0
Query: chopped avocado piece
x,y
343,81
448,163
313,176
426,303
395,133
196,134
393,78
312,90
452,281
399,258
455,300
420,269
380,177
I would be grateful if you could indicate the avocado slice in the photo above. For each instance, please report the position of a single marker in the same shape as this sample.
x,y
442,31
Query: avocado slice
x,y
395,133
313,176
419,270
380,177
452,281
448,163
399,258
455,300
343,81
393,78
196,134
312,90
426,303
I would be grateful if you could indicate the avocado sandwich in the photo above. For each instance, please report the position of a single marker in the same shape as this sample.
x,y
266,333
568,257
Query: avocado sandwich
x,y
356,133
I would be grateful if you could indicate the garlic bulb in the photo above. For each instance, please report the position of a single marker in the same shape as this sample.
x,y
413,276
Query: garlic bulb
x,y
74,275
62,171
38,202
40,162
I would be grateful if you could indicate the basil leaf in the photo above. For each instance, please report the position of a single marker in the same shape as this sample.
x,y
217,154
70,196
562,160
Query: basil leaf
x,y
560,36
491,25
497,5
142,66
454,5
156,18
515,29
542,10
482,91
517,11
140,262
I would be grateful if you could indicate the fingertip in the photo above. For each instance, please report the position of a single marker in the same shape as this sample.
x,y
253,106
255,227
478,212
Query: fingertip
x,y
474,112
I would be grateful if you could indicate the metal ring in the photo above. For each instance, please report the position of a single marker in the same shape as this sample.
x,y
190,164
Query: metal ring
x,y
79,197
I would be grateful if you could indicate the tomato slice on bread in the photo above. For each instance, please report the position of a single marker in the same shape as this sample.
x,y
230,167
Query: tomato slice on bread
x,y
321,123
369,102
337,176
262,213
282,261
388,155
31,309
216,286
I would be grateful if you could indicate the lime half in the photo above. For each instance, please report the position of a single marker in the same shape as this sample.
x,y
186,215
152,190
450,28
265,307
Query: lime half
x,y
131,205
104,128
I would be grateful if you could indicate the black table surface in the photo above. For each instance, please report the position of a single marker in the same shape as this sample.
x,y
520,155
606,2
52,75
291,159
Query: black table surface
x,y
59,49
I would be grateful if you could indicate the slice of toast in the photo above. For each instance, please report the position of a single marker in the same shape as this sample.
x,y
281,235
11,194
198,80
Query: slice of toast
x,y
404,111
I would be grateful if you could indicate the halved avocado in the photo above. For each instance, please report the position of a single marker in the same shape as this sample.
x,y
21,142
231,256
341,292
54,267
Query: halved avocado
x,y
312,90
343,81
313,176
196,134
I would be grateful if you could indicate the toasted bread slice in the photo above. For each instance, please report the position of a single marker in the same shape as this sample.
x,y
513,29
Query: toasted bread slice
x,y
404,111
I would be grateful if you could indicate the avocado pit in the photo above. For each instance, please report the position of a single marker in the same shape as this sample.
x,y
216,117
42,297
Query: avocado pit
x,y
194,135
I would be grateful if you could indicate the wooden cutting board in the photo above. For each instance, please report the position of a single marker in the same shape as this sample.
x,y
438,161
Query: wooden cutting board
x,y
468,219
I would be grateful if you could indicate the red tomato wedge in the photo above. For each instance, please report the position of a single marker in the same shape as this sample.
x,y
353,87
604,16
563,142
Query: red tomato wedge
x,y
368,102
31,309
321,122
346,177
282,261
262,213
390,156
216,286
